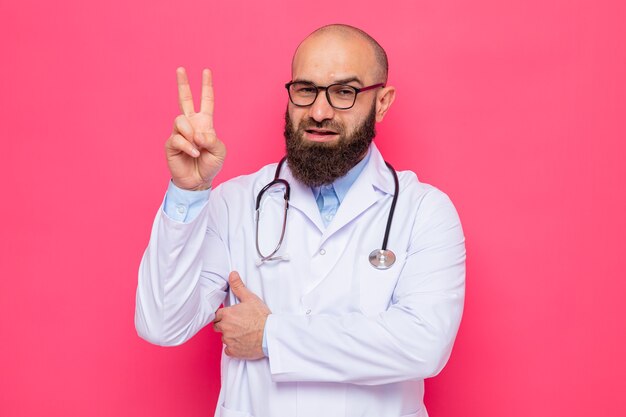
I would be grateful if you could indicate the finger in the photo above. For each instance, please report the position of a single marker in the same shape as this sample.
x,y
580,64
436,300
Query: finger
x,y
185,99
207,101
211,143
182,126
238,287
227,351
217,327
219,315
180,144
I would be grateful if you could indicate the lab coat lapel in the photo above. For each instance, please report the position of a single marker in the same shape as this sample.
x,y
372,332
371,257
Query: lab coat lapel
x,y
302,199
373,184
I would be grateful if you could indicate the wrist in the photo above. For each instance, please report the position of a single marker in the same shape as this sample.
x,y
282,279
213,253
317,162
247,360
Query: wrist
x,y
202,187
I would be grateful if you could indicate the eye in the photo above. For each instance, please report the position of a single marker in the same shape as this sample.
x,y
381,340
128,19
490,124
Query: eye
x,y
347,92
303,89
343,92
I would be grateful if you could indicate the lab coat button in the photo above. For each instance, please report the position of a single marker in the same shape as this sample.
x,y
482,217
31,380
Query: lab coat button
x,y
322,251
308,312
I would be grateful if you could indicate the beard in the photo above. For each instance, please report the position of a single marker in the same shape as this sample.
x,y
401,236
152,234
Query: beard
x,y
319,163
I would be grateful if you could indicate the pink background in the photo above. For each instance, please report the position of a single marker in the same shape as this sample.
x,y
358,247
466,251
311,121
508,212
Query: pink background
x,y
515,108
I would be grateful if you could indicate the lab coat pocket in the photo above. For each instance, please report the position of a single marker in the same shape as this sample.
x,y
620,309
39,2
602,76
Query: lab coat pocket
x,y
226,412
376,285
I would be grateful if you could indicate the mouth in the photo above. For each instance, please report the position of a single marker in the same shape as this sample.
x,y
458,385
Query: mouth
x,y
320,135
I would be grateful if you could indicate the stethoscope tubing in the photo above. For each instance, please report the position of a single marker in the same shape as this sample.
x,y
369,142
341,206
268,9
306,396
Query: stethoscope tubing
x,y
258,211
393,205
379,258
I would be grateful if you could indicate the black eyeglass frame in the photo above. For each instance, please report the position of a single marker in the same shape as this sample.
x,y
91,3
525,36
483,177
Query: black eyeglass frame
x,y
318,88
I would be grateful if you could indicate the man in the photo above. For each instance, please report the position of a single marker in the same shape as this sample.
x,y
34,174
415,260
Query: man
x,y
310,326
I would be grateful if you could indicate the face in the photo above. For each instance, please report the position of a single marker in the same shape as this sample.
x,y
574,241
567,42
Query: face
x,y
324,143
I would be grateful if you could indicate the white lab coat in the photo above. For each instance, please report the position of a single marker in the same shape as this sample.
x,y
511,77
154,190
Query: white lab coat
x,y
344,339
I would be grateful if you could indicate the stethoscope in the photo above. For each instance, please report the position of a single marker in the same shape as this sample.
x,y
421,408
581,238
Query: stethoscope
x,y
379,258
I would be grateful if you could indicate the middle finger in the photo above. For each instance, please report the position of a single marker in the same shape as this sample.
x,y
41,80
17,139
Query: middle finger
x,y
207,101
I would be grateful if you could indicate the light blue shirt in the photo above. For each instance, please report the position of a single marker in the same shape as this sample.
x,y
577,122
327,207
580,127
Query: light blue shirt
x,y
184,205
329,197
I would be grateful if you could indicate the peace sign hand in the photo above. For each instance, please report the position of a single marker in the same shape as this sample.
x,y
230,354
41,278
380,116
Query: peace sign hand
x,y
194,153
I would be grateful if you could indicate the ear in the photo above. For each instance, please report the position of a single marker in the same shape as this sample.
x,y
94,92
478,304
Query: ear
x,y
384,99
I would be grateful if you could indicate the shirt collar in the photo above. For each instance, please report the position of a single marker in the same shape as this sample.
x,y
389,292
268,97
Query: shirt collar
x,y
343,184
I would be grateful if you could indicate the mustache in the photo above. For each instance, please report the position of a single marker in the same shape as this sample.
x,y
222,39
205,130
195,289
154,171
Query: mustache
x,y
324,124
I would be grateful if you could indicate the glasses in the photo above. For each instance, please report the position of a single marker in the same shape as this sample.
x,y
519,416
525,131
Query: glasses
x,y
339,96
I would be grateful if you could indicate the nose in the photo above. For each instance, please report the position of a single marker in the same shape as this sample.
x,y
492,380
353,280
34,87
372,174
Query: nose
x,y
321,109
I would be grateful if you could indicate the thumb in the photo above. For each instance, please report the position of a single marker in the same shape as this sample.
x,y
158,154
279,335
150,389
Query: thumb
x,y
239,288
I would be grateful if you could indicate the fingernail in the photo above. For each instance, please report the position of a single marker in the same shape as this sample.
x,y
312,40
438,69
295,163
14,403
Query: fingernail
x,y
195,152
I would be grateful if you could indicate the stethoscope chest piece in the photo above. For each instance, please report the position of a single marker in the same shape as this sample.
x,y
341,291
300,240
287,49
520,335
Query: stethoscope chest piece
x,y
382,258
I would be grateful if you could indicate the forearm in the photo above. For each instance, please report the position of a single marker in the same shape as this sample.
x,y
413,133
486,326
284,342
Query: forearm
x,y
177,293
397,345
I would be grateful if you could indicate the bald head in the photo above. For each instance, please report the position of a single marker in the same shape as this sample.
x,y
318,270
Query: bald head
x,y
357,40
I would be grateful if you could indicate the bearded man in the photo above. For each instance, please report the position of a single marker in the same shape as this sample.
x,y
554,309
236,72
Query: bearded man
x,y
318,318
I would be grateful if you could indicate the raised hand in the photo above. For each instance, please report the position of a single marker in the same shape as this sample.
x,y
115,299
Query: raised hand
x,y
194,153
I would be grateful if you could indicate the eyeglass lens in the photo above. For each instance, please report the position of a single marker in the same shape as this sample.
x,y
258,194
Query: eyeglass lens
x,y
340,96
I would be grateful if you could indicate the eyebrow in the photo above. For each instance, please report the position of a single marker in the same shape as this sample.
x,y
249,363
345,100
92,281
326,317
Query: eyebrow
x,y
341,81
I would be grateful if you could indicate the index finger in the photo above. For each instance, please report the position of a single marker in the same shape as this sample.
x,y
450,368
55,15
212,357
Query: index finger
x,y
185,100
207,102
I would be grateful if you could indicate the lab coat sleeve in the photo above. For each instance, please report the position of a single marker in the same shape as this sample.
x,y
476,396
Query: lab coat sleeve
x,y
184,205
412,339
181,276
